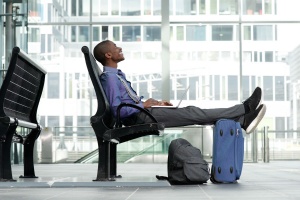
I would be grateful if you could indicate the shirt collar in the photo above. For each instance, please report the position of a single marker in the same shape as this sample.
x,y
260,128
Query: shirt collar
x,y
112,69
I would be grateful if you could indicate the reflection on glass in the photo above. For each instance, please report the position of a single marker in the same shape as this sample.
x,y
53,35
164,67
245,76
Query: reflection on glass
x,y
103,7
268,88
195,33
116,33
83,33
222,32
115,10
262,32
185,7
53,85
232,87
130,7
131,33
152,33
251,7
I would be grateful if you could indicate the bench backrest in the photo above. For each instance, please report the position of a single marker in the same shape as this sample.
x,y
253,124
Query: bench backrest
x,y
22,88
103,114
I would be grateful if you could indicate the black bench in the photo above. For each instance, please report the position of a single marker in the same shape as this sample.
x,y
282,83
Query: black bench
x,y
19,98
110,132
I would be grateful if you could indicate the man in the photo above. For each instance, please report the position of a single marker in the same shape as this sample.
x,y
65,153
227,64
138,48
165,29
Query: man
x,y
118,90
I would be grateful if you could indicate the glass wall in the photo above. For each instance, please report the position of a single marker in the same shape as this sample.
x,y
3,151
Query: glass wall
x,y
222,49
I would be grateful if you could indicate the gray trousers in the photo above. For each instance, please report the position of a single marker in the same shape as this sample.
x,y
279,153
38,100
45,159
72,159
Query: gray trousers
x,y
191,115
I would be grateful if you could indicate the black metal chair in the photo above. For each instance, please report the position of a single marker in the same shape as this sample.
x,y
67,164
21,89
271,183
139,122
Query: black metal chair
x,y
20,94
110,132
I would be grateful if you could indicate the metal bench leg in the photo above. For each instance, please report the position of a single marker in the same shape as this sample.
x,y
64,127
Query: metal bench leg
x,y
5,150
113,161
103,173
28,153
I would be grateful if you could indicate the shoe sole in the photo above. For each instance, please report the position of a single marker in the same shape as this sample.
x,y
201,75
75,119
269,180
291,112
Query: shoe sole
x,y
252,126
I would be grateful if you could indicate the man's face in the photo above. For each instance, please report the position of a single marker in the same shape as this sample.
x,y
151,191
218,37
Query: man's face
x,y
115,52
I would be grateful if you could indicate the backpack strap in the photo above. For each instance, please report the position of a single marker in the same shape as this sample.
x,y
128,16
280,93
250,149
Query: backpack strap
x,y
162,177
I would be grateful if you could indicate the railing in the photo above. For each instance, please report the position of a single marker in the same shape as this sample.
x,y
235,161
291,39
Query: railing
x,y
68,144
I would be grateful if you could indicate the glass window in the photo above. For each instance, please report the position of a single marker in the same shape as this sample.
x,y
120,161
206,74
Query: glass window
x,y
247,32
247,56
131,33
181,85
73,7
83,34
213,7
180,33
252,7
152,33
53,85
156,89
84,8
73,33
115,7
222,32
185,7
194,85
280,127
228,7
217,87
156,7
130,7
68,85
34,35
96,8
268,88
279,88
245,87
195,33
262,32
53,121
147,7
269,56
202,8
104,7
83,123
42,121
116,33
96,34
104,32
69,124
268,6
232,88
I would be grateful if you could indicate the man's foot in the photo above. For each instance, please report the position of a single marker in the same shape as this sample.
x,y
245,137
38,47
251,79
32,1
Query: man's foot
x,y
252,103
253,118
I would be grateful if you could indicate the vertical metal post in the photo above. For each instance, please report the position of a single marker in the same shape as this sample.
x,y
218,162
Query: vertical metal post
x,y
8,33
266,156
165,49
254,146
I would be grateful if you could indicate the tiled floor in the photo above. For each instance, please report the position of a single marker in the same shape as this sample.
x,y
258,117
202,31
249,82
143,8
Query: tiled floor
x,y
274,180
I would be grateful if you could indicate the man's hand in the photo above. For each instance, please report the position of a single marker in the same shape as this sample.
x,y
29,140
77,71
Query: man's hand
x,y
152,102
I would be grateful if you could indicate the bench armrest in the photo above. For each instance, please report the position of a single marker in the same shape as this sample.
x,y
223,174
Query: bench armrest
x,y
19,122
118,120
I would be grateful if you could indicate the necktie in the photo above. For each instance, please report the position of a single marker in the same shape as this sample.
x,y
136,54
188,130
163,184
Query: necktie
x,y
129,90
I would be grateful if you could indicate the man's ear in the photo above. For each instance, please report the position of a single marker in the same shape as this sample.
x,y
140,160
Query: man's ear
x,y
107,55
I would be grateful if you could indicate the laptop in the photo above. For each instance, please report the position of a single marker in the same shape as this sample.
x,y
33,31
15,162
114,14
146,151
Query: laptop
x,y
181,98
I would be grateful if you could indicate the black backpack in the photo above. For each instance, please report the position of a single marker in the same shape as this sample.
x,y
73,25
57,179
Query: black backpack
x,y
185,164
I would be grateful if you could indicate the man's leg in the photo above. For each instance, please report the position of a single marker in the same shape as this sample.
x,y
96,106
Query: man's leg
x,y
193,115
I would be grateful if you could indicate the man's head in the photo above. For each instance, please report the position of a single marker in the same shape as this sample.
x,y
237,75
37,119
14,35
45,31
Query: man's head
x,y
108,54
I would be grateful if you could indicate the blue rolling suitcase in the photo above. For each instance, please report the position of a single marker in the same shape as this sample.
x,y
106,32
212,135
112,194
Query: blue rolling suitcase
x,y
228,152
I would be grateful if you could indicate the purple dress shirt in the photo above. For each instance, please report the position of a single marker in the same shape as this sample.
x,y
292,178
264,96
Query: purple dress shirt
x,y
116,92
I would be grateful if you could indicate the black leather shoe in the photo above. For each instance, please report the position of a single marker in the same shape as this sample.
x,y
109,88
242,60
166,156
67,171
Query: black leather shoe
x,y
252,103
253,118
